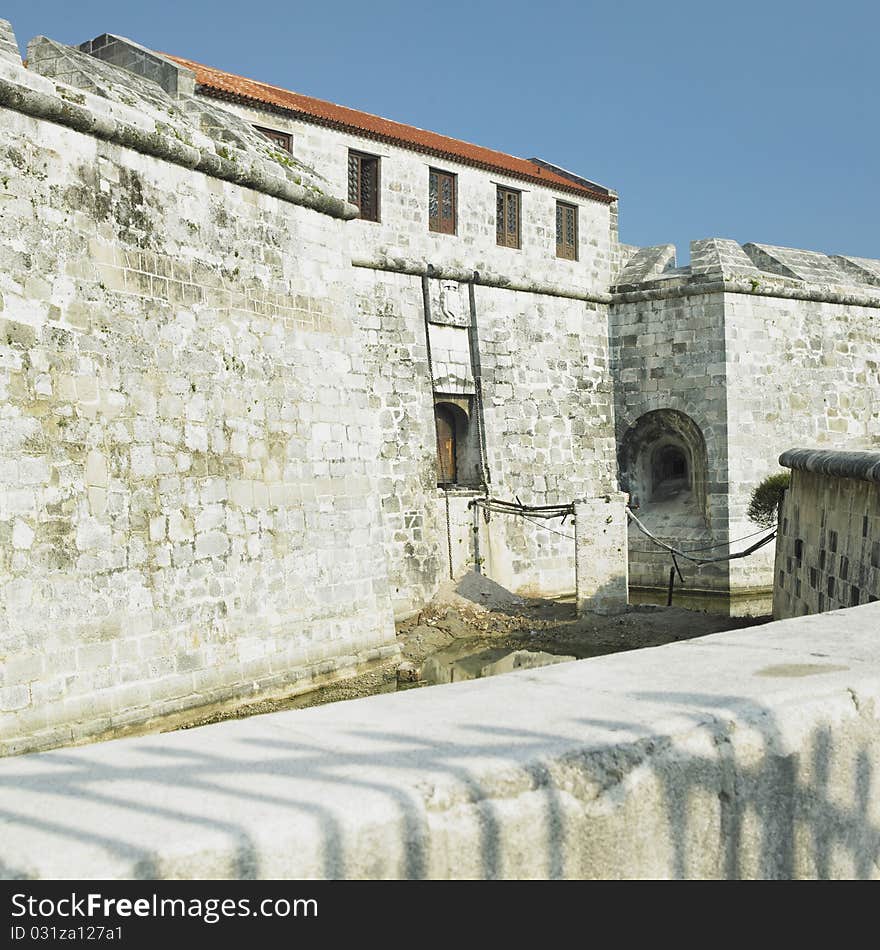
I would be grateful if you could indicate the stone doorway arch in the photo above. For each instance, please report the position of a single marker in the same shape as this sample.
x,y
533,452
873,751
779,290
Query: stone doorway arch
x,y
663,462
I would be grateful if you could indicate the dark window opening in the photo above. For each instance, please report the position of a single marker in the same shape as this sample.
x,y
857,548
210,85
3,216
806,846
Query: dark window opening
x,y
441,202
566,231
507,217
363,184
284,140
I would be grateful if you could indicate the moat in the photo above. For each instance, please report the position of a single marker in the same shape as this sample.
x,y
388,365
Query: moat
x,y
476,629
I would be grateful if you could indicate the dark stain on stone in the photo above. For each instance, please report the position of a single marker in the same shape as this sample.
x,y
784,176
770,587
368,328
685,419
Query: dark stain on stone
x,y
800,669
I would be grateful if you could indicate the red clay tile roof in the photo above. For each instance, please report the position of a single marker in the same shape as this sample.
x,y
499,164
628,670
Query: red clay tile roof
x,y
214,82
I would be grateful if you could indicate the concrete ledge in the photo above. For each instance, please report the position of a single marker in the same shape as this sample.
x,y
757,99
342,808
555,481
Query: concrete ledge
x,y
862,466
746,754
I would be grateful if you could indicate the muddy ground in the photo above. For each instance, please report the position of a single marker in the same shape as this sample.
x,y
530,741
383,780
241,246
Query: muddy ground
x,y
476,614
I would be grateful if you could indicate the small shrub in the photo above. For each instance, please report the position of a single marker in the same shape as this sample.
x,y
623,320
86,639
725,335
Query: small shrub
x,y
766,498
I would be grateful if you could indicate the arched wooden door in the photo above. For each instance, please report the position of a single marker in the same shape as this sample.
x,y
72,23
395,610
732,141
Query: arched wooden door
x,y
445,421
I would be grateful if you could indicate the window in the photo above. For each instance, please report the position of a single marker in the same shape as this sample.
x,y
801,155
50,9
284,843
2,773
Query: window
x,y
566,231
441,202
282,139
507,217
363,184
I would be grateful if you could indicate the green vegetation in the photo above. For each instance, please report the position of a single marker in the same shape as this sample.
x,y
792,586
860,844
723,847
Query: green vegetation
x,y
766,499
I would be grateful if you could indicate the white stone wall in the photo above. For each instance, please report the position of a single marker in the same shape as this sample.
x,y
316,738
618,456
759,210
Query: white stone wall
x,y
668,354
765,348
403,231
549,431
546,375
601,553
828,547
188,496
799,372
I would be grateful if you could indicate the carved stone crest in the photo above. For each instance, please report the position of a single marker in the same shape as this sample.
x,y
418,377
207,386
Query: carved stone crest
x,y
449,305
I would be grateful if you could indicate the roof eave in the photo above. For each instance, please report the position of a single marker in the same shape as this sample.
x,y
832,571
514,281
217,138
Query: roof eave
x,y
219,93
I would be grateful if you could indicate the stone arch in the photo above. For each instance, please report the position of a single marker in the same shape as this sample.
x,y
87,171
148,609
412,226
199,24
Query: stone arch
x,y
663,461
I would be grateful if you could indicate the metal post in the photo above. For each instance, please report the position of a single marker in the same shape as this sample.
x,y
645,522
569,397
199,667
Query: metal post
x,y
478,566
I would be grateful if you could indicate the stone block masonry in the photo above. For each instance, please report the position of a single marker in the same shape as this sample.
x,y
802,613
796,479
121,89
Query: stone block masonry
x,y
600,553
549,437
828,546
218,478
218,442
728,362
187,517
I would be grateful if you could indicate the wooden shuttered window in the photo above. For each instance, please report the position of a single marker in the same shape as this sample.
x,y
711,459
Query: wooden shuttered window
x,y
284,140
363,184
441,202
507,217
566,231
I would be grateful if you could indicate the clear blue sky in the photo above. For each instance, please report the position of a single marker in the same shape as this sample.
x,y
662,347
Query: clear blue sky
x,y
751,120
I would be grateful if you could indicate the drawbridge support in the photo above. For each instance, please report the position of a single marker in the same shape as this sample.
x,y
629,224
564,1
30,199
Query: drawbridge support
x,y
601,569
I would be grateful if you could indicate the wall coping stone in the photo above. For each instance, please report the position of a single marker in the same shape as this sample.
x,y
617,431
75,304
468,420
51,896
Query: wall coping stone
x,y
26,91
678,286
862,466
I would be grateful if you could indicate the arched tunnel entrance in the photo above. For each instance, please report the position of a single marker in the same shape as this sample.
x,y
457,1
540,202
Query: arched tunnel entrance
x,y
663,464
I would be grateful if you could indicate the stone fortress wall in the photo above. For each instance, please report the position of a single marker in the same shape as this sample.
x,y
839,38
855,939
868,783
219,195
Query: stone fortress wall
x,y
747,351
219,458
543,352
185,517
828,553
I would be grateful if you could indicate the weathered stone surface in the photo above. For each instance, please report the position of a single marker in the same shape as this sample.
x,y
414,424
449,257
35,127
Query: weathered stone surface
x,y
759,348
138,114
752,754
828,547
184,519
600,553
217,444
8,45
218,437
647,263
862,466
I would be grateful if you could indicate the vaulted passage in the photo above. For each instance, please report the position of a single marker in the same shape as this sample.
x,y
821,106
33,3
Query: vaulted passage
x,y
663,461
670,472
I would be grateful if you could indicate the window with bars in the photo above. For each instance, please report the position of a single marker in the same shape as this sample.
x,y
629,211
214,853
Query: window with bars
x,y
507,214
566,231
441,202
507,217
363,184
282,139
